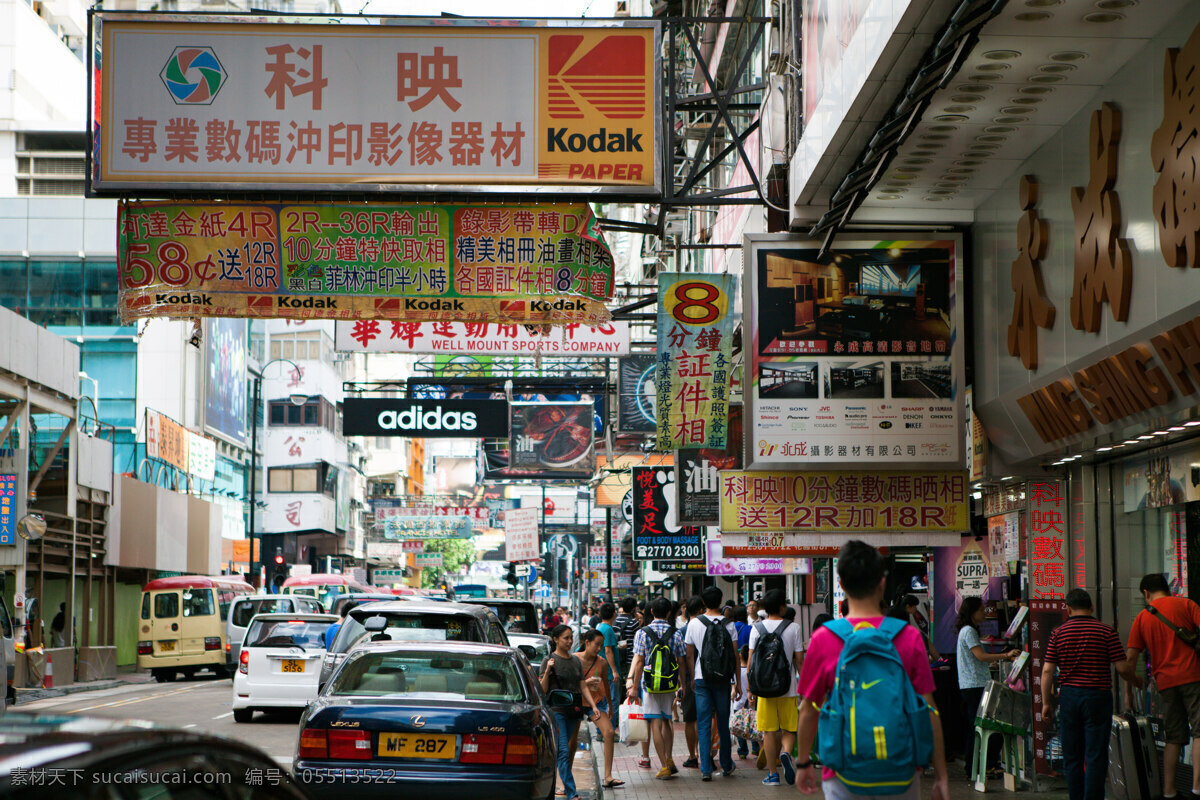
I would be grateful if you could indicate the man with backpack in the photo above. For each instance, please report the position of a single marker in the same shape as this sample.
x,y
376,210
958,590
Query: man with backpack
x,y
776,654
625,626
867,681
657,672
712,658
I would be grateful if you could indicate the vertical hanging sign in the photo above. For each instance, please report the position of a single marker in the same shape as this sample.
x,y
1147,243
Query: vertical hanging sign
x,y
695,347
1047,533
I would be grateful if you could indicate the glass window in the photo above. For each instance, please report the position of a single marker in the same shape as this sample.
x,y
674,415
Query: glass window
x,y
476,677
145,606
279,479
409,628
278,414
100,284
166,605
55,284
312,413
286,633
13,281
55,317
198,603
304,480
276,349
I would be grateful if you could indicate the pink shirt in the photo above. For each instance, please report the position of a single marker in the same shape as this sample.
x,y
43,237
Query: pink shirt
x,y
820,663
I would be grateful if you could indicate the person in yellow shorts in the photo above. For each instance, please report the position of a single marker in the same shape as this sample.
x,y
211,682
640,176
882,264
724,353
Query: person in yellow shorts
x,y
777,716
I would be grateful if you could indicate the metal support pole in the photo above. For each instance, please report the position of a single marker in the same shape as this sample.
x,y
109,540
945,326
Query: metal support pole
x,y
254,471
608,548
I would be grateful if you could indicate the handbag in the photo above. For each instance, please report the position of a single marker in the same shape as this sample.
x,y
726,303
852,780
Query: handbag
x,y
744,724
633,727
1187,637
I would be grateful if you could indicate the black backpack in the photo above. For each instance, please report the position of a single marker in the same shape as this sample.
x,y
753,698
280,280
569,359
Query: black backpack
x,y
718,657
770,673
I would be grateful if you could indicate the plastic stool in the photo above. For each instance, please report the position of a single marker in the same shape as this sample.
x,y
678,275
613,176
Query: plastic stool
x,y
1012,750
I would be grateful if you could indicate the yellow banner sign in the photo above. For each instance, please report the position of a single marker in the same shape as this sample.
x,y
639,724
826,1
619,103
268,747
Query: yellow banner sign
x,y
831,502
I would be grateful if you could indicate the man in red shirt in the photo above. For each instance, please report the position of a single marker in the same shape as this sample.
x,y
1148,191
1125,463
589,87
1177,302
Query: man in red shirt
x,y
1176,670
1084,649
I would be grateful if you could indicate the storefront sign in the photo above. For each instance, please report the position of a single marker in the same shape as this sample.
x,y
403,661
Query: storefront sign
x,y
359,104
480,517
812,545
185,450
432,560
636,397
657,533
473,338
521,534
413,546
8,508
855,356
972,573
913,502
698,474
1032,309
529,262
676,567
552,440
695,359
424,419
1044,617
1004,499
718,564
429,527
1048,536
393,551
382,576
598,560
202,457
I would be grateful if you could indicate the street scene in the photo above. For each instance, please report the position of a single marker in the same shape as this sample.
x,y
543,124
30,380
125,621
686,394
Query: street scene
x,y
599,399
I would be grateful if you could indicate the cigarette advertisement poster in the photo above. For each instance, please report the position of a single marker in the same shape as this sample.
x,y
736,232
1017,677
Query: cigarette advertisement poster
x,y
855,355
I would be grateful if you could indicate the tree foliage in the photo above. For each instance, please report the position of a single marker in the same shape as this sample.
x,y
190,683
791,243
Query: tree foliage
x,y
456,553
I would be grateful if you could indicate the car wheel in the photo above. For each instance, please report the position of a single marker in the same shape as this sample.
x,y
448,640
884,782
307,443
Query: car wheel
x,y
163,675
243,714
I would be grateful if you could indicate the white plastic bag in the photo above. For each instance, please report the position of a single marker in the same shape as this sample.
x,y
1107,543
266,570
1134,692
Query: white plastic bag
x,y
633,727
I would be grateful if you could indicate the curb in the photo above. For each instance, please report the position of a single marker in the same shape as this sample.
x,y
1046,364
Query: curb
x,y
32,695
598,794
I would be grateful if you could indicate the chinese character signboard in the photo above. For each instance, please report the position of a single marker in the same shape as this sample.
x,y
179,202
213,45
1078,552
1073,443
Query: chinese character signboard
x,y
1044,617
480,516
405,264
1048,546
657,533
433,560
842,502
697,474
718,564
166,440
467,338
553,440
695,359
636,398
8,508
676,567
521,534
354,105
427,527
855,356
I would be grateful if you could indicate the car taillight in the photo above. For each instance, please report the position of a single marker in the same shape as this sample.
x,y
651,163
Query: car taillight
x,y
228,646
520,750
244,662
355,745
145,648
212,642
312,743
482,749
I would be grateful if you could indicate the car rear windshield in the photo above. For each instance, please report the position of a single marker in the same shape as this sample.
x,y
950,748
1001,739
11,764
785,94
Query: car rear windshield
x,y
517,619
408,628
246,610
467,677
286,632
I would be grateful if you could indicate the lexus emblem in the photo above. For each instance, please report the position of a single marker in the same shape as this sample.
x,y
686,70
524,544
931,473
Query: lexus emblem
x,y
418,722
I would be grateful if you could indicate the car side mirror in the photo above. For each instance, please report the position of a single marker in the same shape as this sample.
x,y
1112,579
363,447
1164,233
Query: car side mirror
x,y
560,697
375,624
528,650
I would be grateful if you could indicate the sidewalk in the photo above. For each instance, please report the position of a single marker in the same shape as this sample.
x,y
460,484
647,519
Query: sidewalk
x,y
126,676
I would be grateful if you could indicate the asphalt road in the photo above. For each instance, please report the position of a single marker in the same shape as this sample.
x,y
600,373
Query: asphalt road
x,y
202,705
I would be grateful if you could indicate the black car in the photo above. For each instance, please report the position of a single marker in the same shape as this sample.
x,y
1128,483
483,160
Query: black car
x,y
343,601
412,621
517,616
429,719
83,758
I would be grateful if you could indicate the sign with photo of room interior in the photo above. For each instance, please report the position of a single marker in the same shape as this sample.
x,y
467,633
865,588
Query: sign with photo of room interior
x,y
854,354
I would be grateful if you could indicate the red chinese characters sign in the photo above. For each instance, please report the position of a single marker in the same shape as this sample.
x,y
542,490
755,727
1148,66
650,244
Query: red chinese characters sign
x,y
695,359
225,102
1048,546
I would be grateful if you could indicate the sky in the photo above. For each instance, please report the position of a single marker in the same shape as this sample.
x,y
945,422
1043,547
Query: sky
x,y
484,8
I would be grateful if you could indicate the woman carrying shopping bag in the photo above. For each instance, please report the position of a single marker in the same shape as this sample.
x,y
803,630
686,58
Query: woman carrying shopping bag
x,y
596,674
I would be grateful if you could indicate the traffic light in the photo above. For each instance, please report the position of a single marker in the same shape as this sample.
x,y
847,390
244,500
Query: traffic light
x,y
511,575
279,570
547,566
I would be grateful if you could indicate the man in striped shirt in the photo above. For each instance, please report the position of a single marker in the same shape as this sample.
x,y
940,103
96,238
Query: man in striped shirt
x,y
1083,649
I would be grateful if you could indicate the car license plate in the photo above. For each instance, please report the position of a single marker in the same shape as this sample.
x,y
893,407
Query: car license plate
x,y
293,665
165,646
416,745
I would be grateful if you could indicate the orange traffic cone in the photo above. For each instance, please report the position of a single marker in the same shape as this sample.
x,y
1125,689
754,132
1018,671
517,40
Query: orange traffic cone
x,y
48,678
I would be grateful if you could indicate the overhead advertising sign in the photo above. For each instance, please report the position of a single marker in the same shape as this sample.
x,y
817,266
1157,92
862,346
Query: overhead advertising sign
x,y
816,545
433,560
695,359
476,338
529,262
183,449
425,419
675,567
554,440
429,527
525,367
698,478
719,565
480,517
636,396
521,534
845,502
225,390
657,534
202,457
361,104
856,357
389,550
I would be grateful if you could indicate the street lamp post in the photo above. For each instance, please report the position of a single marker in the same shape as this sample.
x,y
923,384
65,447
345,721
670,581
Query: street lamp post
x,y
296,399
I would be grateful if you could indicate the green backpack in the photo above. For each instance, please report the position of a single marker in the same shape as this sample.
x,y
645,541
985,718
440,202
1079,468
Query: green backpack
x,y
661,671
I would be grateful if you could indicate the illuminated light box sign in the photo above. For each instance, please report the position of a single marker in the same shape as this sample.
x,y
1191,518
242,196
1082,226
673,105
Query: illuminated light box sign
x,y
425,419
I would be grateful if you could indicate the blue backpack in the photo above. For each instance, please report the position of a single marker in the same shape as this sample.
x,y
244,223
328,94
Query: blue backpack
x,y
874,730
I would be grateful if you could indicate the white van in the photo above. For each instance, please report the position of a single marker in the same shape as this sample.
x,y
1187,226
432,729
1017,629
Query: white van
x,y
247,607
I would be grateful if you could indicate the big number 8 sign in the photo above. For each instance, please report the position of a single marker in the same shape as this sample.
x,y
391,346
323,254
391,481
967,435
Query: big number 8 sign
x,y
697,303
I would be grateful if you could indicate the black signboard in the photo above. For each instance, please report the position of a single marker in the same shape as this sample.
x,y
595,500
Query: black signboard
x,y
697,474
656,533
672,567
425,419
635,394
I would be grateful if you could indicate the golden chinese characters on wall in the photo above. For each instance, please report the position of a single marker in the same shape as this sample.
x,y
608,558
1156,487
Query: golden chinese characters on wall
x,y
1032,309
